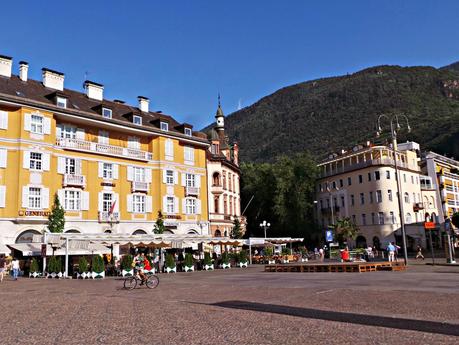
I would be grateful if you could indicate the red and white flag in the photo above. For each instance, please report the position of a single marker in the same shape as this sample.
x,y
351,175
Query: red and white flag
x,y
112,208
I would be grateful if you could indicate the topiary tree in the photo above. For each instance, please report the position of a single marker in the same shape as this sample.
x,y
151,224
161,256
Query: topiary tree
x,y
83,265
225,258
159,225
207,259
455,219
126,262
56,219
34,266
236,231
98,265
188,260
170,261
54,264
243,256
269,251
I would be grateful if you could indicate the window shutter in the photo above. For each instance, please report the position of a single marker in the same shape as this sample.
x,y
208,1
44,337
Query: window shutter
x,y
3,158
176,177
183,179
101,169
148,175
183,205
176,205
198,206
3,119
25,197
165,203
46,125
101,202
80,134
115,171
129,202
130,173
46,161
26,161
45,198
149,204
2,196
164,176
61,196
197,181
116,199
84,201
58,131
27,118
78,166
61,165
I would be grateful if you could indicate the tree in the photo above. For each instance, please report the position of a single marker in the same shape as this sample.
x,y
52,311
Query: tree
x,y
455,219
346,229
159,225
236,232
56,219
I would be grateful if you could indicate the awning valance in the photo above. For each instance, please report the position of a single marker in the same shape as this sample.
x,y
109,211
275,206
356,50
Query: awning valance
x,y
34,249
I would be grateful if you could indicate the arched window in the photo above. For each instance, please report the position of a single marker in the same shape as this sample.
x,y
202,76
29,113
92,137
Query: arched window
x,y
376,242
361,242
218,233
432,202
192,232
168,232
139,232
427,217
408,219
434,217
216,204
27,236
407,198
216,179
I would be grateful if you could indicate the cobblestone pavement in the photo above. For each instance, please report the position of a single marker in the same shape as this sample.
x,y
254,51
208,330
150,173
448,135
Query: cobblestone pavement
x,y
419,306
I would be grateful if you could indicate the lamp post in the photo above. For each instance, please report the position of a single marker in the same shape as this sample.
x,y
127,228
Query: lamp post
x,y
265,226
394,131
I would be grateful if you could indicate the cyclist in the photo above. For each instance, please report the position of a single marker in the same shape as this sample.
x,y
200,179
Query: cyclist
x,y
139,261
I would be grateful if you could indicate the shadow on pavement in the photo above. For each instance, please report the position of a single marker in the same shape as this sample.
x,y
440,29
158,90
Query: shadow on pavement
x,y
360,319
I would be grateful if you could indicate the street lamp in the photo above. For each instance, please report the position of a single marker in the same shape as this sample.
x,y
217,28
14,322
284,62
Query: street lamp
x,y
394,130
265,226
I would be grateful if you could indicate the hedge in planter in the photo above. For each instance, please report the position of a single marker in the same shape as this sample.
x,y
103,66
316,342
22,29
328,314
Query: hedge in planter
x,y
188,263
83,268
126,266
98,267
225,261
34,270
208,262
243,262
170,264
54,267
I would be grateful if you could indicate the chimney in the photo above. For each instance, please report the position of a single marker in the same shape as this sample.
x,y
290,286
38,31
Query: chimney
x,y
53,79
23,69
94,90
143,104
5,66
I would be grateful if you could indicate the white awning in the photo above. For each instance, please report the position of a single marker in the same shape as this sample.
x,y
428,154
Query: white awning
x,y
34,249
4,249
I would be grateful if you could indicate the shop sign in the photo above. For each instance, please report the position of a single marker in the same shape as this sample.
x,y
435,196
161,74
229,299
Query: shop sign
x,y
429,225
173,216
108,184
34,213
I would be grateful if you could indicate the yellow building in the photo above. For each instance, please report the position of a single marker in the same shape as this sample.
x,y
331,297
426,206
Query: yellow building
x,y
114,166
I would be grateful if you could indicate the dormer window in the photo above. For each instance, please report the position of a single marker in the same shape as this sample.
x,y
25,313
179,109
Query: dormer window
x,y
164,126
107,113
61,102
137,120
188,132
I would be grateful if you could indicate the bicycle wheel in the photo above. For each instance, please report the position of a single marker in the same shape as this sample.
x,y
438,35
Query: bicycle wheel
x,y
152,281
130,283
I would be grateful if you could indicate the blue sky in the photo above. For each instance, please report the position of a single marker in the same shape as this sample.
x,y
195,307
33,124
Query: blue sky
x,y
180,54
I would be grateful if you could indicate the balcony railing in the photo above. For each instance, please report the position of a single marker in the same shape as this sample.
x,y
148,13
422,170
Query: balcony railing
x,y
139,186
217,189
105,149
107,217
74,180
192,191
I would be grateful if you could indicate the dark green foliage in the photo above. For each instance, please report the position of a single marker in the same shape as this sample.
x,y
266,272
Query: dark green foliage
x,y
170,261
268,251
83,265
56,219
159,225
236,231
126,262
243,256
345,229
98,265
225,258
207,259
54,264
188,260
34,265
285,251
455,219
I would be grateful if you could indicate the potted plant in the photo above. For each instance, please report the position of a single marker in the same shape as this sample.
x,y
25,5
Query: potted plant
x,y
34,273
304,254
208,265
98,267
83,268
285,255
170,264
126,266
225,261
269,254
188,263
243,262
54,267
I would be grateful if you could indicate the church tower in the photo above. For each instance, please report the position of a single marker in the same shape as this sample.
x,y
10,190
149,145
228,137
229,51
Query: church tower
x,y
220,127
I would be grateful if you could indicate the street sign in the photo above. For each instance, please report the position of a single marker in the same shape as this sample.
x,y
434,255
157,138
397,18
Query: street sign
x,y
429,225
329,236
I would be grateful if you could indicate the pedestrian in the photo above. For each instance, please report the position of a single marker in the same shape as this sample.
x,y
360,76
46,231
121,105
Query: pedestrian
x,y
316,253
2,267
321,254
15,267
419,253
391,251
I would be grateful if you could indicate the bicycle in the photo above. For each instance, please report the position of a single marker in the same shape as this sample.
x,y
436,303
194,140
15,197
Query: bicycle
x,y
151,282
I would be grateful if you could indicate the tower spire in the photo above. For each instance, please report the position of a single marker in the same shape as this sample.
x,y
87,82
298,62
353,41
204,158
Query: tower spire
x,y
219,115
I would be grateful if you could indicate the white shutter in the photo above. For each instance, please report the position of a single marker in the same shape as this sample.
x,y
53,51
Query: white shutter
x,y
58,131
3,158
46,157
78,166
46,125
198,206
27,119
130,173
80,134
2,196
101,202
183,179
84,201
61,196
176,177
26,161
197,181
117,200
164,176
129,202
115,171
165,203
3,119
149,204
25,196
45,198
61,165
176,205
101,169
148,175
183,206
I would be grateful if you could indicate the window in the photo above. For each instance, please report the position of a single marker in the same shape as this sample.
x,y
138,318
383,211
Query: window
x,y
353,219
369,177
72,200
408,219
107,170
389,195
190,206
407,197
103,137
373,219
362,199
412,179
342,201
371,197
388,174
381,218
404,178
169,177
334,184
377,176
188,132
360,179
138,203
169,148
61,102
417,180
341,184
352,199
134,143
34,197
68,132
107,113
392,217
364,219
164,126
35,161
189,154
70,166
137,120
190,180
170,204
139,174
107,202
36,124
378,196
349,181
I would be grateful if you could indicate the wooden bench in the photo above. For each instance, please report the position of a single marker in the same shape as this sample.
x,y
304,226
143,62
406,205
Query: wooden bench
x,y
338,267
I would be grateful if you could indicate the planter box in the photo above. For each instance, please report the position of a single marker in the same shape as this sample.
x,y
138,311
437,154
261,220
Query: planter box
x,y
96,275
271,262
304,260
127,273
209,267
54,275
285,261
34,274
189,268
171,270
148,272
225,266
84,275
243,264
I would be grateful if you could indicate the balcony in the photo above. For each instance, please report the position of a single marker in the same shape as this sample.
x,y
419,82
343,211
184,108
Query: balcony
x,y
105,149
192,191
418,206
74,180
139,186
216,189
106,217
326,210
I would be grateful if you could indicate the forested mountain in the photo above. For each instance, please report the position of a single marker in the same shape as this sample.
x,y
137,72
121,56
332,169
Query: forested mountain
x,y
326,115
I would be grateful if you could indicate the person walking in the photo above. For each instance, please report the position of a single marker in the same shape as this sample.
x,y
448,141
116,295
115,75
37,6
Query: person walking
x,y
15,267
419,253
2,267
321,254
391,251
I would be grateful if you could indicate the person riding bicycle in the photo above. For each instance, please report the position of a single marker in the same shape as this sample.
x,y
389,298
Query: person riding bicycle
x,y
139,265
